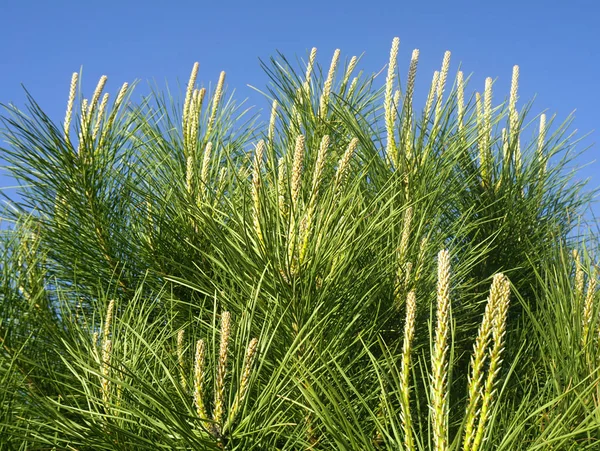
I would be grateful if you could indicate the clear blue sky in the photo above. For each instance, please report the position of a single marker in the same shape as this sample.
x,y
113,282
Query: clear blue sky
x,y
555,42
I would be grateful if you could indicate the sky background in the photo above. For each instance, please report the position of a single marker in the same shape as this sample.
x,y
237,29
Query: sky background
x,y
556,43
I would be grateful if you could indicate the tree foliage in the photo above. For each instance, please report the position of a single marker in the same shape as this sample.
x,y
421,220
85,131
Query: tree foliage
x,y
353,273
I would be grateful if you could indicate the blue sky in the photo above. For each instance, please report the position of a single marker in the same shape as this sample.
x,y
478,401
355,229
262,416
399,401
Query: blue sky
x,y
555,43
